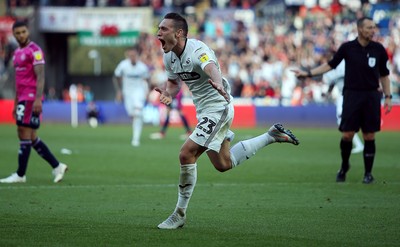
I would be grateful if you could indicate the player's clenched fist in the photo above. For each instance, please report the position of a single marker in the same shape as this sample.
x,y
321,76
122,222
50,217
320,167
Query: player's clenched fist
x,y
165,97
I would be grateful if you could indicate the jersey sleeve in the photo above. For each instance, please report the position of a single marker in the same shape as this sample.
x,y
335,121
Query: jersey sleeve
x,y
203,56
384,63
37,55
338,57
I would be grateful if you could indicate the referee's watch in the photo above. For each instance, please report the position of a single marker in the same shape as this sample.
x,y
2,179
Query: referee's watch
x,y
388,96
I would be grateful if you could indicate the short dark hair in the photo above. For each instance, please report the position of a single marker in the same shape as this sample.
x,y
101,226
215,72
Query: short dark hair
x,y
179,21
19,24
360,21
135,47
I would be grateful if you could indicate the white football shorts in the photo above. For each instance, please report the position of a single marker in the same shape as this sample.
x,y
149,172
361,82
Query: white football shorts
x,y
212,127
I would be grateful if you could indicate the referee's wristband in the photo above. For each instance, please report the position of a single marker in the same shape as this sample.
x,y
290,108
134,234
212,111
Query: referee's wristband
x,y
388,96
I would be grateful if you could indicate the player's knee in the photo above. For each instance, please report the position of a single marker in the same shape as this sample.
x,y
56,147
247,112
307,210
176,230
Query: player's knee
x,y
222,167
186,158
347,136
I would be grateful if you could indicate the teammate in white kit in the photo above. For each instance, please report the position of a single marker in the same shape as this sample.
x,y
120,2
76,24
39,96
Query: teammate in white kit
x,y
335,77
131,81
29,66
193,62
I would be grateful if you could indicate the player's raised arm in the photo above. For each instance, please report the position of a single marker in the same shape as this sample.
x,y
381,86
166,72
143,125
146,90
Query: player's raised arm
x,y
216,80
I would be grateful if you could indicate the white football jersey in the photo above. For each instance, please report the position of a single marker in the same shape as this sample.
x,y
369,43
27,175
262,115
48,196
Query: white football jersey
x,y
134,77
189,68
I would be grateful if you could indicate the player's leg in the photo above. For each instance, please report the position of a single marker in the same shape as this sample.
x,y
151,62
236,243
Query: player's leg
x,y
42,149
137,126
184,121
358,145
349,125
188,156
345,151
25,121
133,106
161,134
166,122
245,149
25,145
369,156
370,125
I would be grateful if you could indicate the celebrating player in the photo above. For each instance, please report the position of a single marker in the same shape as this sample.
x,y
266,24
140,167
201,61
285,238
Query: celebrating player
x,y
193,62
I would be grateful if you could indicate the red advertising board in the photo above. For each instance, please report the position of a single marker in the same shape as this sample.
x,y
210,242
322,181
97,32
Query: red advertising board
x,y
245,115
391,121
6,107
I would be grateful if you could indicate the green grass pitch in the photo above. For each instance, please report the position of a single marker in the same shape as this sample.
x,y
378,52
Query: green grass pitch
x,y
116,195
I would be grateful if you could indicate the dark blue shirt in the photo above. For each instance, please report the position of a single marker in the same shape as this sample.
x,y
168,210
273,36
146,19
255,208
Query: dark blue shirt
x,y
364,65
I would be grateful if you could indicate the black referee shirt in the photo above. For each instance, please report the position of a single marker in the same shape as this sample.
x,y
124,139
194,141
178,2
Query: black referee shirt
x,y
364,65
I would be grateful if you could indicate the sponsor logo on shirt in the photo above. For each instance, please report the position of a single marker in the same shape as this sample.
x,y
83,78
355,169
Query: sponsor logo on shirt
x,y
203,58
189,76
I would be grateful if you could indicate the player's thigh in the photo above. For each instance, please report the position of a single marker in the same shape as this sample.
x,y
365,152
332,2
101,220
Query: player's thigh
x,y
222,159
190,152
371,112
25,115
351,111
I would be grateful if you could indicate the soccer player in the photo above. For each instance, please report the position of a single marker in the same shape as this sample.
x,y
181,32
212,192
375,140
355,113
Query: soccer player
x,y
131,81
29,67
334,78
365,68
177,105
194,63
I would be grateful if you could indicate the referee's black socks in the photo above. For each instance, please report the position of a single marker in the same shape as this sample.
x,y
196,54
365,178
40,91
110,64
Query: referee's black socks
x,y
369,155
345,148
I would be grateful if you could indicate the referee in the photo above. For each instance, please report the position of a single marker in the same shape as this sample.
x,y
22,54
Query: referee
x,y
366,67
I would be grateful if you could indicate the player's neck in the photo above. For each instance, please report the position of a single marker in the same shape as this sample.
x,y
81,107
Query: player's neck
x,y
180,47
22,45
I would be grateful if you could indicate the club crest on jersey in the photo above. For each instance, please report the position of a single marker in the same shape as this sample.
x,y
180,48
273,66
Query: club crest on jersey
x,y
203,58
189,76
371,62
38,55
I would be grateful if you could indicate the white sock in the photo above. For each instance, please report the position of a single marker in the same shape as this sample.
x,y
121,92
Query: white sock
x,y
187,182
137,126
243,150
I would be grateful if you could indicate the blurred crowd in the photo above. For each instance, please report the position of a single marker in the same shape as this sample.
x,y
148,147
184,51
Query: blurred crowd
x,y
257,57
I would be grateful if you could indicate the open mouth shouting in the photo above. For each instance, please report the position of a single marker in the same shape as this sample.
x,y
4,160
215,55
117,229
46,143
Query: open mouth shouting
x,y
162,43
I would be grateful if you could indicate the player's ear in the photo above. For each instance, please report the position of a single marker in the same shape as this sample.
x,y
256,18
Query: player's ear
x,y
179,33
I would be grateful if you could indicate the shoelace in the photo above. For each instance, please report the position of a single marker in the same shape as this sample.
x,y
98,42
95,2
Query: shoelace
x,y
172,219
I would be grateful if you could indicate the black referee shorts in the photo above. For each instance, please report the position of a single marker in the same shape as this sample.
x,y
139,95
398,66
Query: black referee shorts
x,y
361,109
